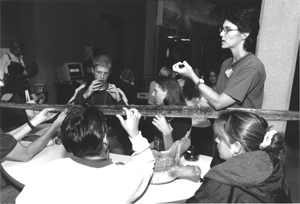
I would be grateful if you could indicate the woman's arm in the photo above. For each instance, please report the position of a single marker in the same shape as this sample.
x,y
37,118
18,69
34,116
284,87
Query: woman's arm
x,y
44,115
25,153
217,101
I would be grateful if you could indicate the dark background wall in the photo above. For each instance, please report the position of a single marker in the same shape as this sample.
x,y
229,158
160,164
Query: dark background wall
x,y
55,32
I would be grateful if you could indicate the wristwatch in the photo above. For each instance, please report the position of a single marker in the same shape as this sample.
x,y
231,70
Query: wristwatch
x,y
201,81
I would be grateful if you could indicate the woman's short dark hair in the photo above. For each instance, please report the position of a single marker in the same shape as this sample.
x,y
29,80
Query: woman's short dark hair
x,y
189,90
174,94
249,130
83,131
247,21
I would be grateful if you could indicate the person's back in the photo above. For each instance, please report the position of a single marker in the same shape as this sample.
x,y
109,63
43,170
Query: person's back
x,y
89,176
76,181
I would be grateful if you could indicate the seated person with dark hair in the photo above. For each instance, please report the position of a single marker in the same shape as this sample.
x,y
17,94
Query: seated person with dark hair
x,y
89,176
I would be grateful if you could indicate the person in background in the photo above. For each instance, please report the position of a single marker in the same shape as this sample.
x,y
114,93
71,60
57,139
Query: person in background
x,y
242,77
12,149
164,71
126,84
253,170
202,132
100,92
12,62
89,171
213,78
167,92
31,70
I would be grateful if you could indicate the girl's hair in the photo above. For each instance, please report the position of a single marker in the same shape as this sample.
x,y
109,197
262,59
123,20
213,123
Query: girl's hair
x,y
249,130
247,21
174,94
189,90
83,130
166,71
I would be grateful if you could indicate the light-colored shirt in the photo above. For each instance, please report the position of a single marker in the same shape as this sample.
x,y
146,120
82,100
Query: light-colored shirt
x,y
5,61
66,181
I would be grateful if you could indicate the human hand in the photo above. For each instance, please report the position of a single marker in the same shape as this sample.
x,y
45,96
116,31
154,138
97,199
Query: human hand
x,y
42,116
61,117
161,124
183,68
131,123
114,92
94,86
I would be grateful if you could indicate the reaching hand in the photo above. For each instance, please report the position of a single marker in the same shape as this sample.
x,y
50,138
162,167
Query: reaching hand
x,y
131,123
114,92
45,114
183,69
161,124
60,117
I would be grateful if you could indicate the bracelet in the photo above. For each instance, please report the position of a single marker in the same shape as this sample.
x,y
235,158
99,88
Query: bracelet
x,y
30,125
201,81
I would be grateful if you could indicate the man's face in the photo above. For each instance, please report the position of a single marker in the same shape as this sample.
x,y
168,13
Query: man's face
x,y
101,74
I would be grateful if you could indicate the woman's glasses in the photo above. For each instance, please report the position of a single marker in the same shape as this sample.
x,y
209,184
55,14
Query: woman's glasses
x,y
226,30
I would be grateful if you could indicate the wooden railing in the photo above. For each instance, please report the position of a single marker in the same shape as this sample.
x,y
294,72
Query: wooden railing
x,y
169,111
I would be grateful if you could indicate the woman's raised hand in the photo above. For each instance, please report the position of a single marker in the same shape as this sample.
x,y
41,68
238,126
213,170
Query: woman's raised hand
x,y
183,68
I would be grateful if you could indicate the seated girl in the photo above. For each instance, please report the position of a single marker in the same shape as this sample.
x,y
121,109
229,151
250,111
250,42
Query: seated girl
x,y
252,171
167,130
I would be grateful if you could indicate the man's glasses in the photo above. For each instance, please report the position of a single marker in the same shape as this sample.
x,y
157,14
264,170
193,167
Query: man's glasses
x,y
226,30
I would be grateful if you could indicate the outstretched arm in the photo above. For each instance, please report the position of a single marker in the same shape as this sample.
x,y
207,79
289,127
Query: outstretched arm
x,y
20,132
140,145
25,153
217,101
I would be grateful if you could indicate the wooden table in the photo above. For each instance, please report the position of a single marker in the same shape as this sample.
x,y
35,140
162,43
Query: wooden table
x,y
178,190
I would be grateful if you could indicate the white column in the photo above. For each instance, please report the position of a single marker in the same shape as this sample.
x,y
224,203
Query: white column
x,y
277,47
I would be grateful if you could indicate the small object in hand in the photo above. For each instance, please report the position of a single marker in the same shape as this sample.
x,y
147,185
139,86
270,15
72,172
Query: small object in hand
x,y
181,66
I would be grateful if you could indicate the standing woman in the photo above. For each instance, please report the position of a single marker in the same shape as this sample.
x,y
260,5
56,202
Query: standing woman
x,y
168,130
242,77
253,170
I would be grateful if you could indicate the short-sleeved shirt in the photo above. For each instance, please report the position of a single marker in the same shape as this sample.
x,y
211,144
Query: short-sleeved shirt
x,y
245,84
8,143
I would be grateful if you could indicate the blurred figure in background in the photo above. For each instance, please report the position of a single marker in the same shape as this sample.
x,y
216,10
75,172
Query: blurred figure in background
x,y
126,84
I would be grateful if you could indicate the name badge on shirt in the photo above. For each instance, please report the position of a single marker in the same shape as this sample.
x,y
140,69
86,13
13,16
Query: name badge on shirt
x,y
228,72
